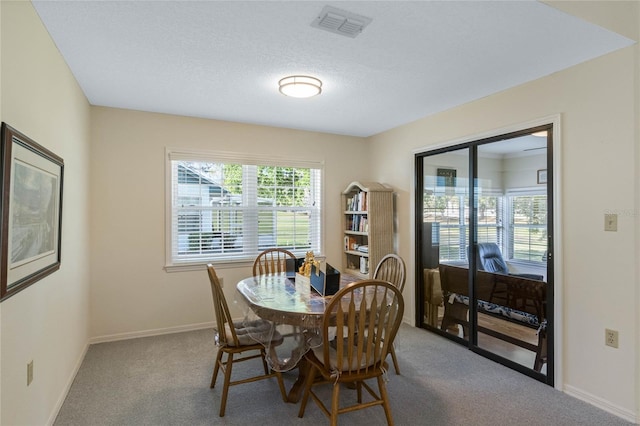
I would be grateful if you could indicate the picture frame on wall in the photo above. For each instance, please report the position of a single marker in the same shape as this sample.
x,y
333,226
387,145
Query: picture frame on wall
x,y
447,180
31,179
542,176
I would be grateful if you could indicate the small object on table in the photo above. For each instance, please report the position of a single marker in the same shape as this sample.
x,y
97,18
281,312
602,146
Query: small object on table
x,y
326,283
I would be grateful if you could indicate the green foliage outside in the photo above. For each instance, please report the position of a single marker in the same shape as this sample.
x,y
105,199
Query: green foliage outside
x,y
285,186
277,187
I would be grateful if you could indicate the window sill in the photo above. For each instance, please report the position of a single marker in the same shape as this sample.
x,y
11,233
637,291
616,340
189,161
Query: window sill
x,y
221,264
200,266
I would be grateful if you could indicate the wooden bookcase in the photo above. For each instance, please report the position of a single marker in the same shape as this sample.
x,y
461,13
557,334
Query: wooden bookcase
x,y
367,220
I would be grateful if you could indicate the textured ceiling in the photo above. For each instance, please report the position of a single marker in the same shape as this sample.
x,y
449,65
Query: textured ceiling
x,y
223,59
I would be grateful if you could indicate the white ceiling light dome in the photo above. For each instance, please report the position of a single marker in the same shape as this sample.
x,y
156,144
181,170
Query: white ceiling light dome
x,y
300,86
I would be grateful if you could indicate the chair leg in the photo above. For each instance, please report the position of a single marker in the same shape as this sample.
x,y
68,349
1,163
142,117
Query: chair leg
x,y
282,389
541,352
268,370
335,400
227,380
395,360
307,390
216,368
263,354
385,400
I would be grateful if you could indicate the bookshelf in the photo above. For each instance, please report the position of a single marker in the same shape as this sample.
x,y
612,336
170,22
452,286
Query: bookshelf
x,y
367,225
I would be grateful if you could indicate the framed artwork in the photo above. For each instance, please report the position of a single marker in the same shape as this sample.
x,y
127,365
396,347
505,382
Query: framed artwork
x,y
31,212
447,179
542,176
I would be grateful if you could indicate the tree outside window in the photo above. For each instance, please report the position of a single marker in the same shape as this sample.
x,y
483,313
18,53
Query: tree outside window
x,y
230,210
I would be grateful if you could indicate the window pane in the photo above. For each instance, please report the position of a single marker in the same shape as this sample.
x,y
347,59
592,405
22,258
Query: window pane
x,y
234,211
489,220
529,227
446,210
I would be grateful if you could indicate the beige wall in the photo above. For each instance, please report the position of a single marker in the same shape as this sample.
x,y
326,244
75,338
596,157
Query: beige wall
x,y
131,293
120,181
598,284
49,321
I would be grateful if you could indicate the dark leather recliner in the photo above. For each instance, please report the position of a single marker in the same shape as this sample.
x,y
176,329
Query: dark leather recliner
x,y
490,259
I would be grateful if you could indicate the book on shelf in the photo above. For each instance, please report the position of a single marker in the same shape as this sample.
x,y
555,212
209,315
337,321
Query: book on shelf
x,y
362,201
358,223
358,202
349,243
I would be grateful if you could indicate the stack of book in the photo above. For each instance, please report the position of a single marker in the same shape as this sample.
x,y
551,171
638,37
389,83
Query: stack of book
x,y
358,202
358,223
350,243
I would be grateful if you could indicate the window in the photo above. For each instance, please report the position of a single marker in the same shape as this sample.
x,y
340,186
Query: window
x,y
527,227
229,208
526,230
451,212
490,215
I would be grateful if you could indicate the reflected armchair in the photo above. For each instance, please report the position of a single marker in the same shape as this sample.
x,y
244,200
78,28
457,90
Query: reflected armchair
x,y
490,259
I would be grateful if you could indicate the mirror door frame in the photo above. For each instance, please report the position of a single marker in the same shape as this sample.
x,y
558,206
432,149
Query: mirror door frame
x,y
554,300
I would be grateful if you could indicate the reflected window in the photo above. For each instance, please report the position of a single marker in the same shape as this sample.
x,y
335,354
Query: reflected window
x,y
528,227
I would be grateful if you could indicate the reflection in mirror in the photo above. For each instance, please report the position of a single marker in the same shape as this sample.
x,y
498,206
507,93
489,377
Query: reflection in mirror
x,y
511,251
445,231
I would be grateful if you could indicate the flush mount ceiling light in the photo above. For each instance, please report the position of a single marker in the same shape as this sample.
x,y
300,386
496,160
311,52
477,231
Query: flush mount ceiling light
x,y
300,86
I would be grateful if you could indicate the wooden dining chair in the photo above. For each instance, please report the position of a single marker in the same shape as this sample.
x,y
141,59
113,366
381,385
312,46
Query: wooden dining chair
x,y
364,317
392,268
236,339
272,261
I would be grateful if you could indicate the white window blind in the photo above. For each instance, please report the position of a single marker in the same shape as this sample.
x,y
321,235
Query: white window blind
x,y
528,227
226,207
452,214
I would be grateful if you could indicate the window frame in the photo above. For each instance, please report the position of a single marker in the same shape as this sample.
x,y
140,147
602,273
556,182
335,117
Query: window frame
x,y
177,154
463,225
504,227
509,240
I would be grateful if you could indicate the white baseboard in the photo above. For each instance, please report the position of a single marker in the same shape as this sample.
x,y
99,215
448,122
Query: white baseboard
x,y
148,333
67,388
603,404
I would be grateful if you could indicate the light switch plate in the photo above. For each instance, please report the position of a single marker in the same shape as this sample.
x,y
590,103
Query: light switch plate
x,y
611,222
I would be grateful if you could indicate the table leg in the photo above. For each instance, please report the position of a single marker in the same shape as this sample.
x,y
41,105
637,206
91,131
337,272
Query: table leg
x,y
298,387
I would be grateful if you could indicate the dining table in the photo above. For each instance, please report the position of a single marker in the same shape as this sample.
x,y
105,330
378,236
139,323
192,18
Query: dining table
x,y
295,312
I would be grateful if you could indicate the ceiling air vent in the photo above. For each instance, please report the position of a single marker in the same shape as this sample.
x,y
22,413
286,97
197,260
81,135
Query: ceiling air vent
x,y
340,22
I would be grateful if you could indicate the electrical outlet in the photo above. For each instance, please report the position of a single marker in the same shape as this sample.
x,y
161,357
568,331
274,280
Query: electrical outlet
x,y
611,338
29,372
611,222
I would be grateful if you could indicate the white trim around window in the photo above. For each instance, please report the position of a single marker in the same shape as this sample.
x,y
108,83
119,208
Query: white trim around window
x,y
224,208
